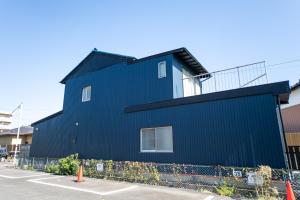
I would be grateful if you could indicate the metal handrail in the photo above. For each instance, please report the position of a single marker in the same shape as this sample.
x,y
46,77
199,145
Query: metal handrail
x,y
222,70
227,79
254,80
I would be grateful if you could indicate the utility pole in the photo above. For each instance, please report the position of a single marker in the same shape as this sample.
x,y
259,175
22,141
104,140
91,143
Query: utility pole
x,y
20,107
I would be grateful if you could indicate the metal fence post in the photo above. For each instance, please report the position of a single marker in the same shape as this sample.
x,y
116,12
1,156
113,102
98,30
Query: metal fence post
x,y
32,161
238,71
220,172
266,72
214,74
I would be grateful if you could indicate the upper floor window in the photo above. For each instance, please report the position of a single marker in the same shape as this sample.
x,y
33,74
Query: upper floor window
x,y
86,93
162,69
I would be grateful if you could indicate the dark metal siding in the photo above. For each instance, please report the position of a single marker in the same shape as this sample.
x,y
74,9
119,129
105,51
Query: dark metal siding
x,y
237,132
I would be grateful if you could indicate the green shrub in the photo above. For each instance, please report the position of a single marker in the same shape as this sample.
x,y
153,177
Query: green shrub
x,y
108,168
154,174
90,169
131,171
266,191
30,167
224,189
69,165
134,171
52,168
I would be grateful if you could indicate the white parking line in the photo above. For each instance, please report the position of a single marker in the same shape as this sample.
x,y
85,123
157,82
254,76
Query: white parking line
x,y
209,197
38,181
120,190
17,177
177,191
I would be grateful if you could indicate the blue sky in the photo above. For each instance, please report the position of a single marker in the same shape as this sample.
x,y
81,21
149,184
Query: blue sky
x,y
41,41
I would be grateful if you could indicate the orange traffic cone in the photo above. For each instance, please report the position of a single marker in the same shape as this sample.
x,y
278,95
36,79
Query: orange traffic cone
x,y
80,174
289,191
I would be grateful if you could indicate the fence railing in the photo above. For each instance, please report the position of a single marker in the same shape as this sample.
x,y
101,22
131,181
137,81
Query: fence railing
x,y
196,177
228,79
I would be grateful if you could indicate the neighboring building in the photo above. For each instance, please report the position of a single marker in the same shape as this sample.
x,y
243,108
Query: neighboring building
x,y
122,108
291,121
5,121
7,136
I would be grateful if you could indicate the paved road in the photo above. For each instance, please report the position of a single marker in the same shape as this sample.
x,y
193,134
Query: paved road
x,y
18,184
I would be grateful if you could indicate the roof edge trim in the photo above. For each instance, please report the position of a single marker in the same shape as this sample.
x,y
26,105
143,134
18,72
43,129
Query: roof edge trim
x,y
279,88
47,118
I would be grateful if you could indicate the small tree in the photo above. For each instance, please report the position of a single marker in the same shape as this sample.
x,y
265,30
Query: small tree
x,y
266,191
224,189
69,165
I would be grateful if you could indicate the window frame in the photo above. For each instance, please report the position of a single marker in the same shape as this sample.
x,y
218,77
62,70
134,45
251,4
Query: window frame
x,y
155,150
162,75
85,89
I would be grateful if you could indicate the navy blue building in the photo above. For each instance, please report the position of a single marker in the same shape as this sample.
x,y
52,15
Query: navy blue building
x,y
122,108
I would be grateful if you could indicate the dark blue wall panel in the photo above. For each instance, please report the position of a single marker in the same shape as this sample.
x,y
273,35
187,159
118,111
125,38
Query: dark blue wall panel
x,y
237,132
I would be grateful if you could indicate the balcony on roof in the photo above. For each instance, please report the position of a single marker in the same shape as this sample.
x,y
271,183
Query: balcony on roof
x,y
228,79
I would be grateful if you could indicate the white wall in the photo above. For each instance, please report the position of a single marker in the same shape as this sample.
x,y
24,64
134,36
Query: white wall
x,y
294,98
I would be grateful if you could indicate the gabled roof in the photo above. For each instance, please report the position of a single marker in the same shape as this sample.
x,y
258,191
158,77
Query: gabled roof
x,y
104,59
24,130
181,53
47,118
111,59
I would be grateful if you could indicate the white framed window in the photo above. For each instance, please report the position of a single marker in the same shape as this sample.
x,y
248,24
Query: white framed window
x,y
162,69
159,139
86,93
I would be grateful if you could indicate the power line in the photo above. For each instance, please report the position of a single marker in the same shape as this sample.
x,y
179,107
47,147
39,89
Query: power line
x,y
284,63
272,65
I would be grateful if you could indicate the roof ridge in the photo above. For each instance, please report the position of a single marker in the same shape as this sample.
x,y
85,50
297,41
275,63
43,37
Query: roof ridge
x,y
113,54
92,53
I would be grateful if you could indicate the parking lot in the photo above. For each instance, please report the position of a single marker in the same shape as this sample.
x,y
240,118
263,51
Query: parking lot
x,y
24,184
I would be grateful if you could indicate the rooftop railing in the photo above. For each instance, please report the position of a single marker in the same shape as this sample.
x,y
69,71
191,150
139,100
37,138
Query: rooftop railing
x,y
237,77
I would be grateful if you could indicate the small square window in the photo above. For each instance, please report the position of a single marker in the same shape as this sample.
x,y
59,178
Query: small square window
x,y
86,93
162,69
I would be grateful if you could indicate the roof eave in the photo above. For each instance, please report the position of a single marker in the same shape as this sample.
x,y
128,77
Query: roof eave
x,y
193,63
177,52
63,81
48,117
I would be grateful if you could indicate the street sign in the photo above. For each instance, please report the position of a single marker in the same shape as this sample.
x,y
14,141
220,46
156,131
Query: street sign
x,y
237,173
99,167
254,179
16,141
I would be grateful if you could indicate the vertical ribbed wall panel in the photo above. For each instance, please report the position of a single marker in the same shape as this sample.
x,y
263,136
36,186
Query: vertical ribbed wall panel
x,y
235,132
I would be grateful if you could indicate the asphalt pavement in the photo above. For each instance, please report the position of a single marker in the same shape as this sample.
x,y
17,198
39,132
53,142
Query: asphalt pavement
x,y
16,184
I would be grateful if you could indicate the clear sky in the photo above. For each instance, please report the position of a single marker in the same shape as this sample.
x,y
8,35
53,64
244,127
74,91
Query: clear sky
x,y
41,41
